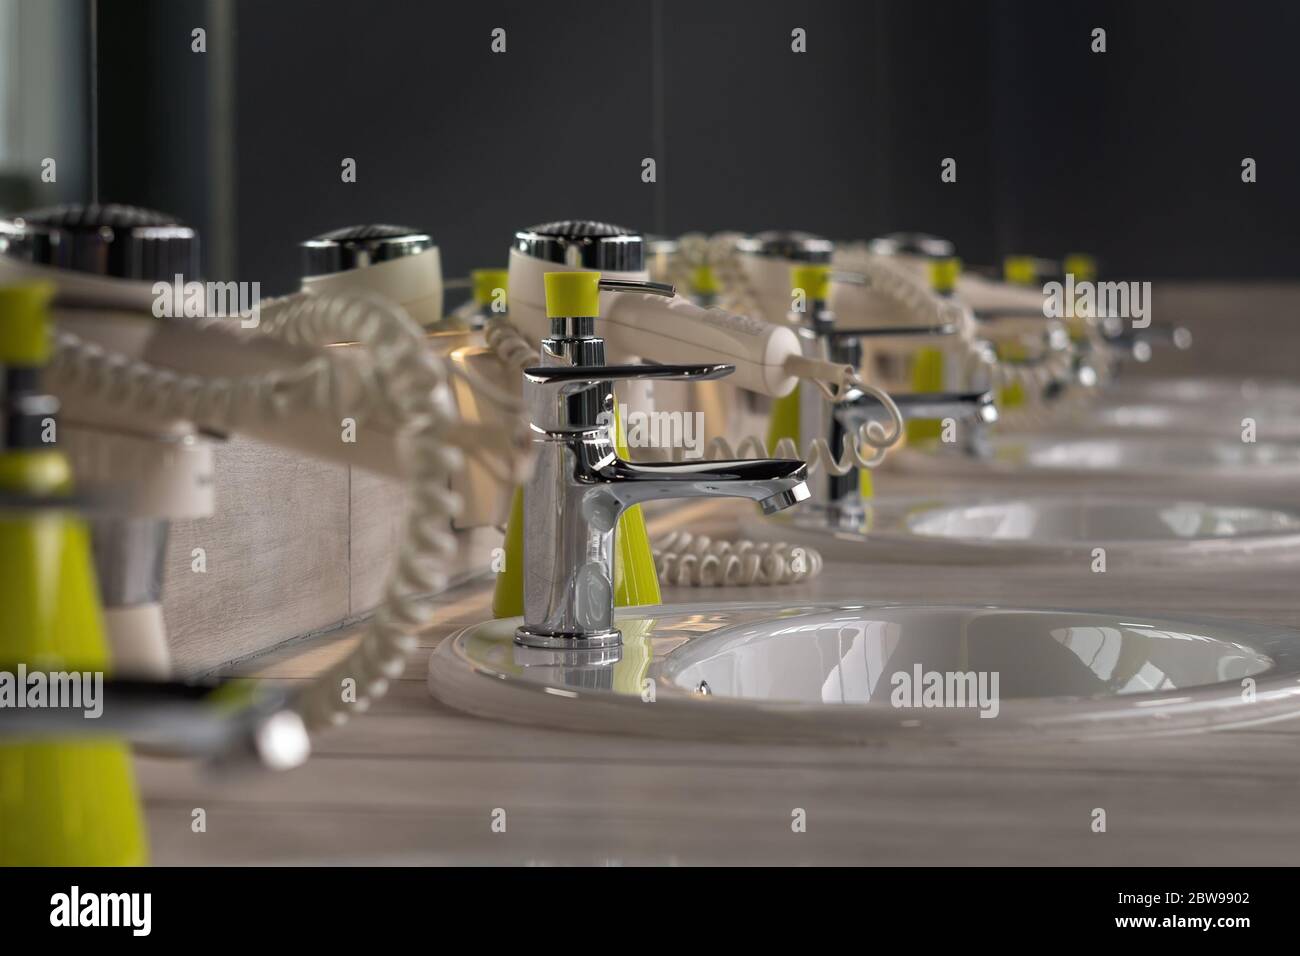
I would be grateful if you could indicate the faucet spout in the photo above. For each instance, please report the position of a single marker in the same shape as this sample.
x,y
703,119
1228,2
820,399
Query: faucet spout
x,y
975,408
776,484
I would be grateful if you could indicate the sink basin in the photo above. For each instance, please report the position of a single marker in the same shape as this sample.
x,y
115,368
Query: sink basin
x,y
1147,455
859,672
1171,456
1061,521
1037,528
1272,395
1222,420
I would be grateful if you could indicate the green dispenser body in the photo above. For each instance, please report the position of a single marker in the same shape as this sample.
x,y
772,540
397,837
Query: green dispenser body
x,y
783,418
928,372
62,803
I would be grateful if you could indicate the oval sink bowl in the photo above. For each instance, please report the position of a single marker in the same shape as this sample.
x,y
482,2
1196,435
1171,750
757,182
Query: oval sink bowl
x,y
1165,456
1147,455
1070,520
1273,395
855,673
970,529
1223,421
1190,420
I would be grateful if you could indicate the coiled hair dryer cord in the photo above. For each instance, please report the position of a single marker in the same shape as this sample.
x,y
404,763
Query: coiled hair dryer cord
x,y
403,381
977,357
688,560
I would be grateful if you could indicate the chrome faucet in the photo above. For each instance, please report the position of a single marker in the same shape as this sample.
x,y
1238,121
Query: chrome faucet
x,y
973,409
817,416
579,485
971,413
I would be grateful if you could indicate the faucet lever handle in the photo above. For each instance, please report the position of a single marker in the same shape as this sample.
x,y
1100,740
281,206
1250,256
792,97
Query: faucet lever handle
x,y
1009,312
892,331
975,407
562,374
638,285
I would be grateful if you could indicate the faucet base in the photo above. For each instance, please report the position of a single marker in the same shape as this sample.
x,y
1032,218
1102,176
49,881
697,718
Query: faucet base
x,y
567,641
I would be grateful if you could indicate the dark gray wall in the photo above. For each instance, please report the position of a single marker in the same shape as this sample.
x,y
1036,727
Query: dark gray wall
x,y
1138,152
1133,154
448,136
167,130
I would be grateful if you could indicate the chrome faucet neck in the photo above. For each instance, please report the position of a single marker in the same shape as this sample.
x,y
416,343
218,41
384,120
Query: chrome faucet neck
x,y
580,486
574,327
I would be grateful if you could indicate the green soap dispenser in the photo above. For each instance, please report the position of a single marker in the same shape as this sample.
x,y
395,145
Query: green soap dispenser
x,y
928,372
490,302
573,309
814,281
1084,269
1021,271
66,803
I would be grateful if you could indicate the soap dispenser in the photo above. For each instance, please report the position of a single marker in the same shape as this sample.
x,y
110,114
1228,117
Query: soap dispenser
x,y
929,373
932,260
572,308
810,283
807,294
1023,272
1083,268
490,299
64,803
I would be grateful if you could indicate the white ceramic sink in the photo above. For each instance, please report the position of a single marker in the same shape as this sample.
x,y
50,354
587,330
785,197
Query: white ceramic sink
x,y
1272,395
1070,520
1171,456
1146,455
854,672
1221,420
975,528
